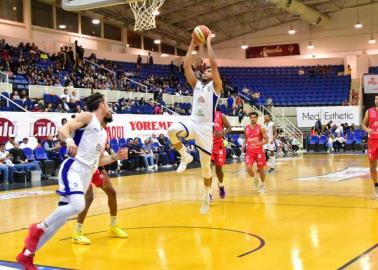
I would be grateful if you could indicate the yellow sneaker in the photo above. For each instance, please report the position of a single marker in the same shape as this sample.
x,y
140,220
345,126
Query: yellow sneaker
x,y
117,232
80,239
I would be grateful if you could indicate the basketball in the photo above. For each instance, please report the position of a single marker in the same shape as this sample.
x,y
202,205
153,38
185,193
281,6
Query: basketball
x,y
200,34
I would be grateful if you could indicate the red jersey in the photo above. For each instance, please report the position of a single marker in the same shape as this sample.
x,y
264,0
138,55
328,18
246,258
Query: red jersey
x,y
373,123
218,127
252,137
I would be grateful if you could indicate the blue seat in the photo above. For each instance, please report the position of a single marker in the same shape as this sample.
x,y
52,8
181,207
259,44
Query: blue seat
x,y
28,152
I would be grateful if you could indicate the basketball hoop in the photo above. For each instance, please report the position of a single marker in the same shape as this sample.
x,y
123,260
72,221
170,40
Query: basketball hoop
x,y
144,13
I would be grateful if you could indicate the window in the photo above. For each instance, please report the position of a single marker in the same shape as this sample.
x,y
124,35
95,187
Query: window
x,y
149,44
112,32
165,48
181,52
90,29
42,14
134,40
67,21
11,10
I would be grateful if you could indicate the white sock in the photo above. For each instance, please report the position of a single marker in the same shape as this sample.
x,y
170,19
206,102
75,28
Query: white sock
x,y
273,162
220,184
27,252
78,227
183,152
113,220
207,191
42,226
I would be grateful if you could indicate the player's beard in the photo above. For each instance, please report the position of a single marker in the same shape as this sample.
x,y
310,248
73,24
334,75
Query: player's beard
x,y
108,118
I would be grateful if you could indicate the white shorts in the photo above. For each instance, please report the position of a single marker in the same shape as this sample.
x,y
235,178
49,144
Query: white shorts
x,y
270,147
201,133
74,177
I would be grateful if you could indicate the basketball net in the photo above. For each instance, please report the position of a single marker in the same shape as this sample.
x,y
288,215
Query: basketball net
x,y
144,13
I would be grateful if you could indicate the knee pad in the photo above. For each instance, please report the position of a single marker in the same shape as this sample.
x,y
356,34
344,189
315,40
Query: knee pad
x,y
205,165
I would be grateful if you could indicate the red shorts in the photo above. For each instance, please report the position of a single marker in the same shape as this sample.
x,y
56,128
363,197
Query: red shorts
x,y
258,157
98,178
373,149
219,154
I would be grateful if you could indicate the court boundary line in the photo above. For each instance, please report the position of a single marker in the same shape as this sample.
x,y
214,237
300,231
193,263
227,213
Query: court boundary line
x,y
344,266
98,214
259,238
39,265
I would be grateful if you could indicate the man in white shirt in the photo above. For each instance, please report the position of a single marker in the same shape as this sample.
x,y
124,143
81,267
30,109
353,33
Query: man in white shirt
x,y
25,143
6,168
65,95
339,143
10,144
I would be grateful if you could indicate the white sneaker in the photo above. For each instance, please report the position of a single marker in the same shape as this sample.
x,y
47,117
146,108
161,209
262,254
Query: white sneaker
x,y
205,205
184,162
156,166
261,188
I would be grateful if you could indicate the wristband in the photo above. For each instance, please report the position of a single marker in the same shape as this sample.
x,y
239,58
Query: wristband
x,y
70,141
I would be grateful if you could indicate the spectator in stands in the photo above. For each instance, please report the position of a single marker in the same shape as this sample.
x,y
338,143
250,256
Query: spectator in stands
x,y
25,143
65,105
15,96
318,127
149,155
52,149
339,143
269,103
74,98
150,59
230,102
331,140
139,62
10,144
49,108
301,71
239,102
65,95
36,108
78,109
64,120
59,108
6,166
349,70
241,114
19,158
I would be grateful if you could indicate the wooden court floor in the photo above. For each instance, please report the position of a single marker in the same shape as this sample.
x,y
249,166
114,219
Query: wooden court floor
x,y
298,224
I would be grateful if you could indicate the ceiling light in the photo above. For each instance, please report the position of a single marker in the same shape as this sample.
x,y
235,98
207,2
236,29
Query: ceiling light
x,y
212,35
14,8
372,40
194,52
164,55
127,45
358,25
95,21
62,26
291,30
157,41
244,47
310,46
155,12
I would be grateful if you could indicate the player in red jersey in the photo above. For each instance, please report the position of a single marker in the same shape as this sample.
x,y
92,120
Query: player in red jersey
x,y
221,128
255,137
370,125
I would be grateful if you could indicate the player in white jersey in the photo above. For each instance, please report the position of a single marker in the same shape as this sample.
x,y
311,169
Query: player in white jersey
x,y
270,147
85,139
206,93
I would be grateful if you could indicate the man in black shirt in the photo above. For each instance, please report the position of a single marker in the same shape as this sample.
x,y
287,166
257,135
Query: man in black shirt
x,y
18,157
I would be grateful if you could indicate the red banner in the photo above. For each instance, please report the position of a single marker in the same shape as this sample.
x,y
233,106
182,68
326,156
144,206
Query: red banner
x,y
272,51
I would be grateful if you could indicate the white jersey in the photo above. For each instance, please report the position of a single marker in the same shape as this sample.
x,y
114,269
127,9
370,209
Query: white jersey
x,y
205,101
90,141
269,127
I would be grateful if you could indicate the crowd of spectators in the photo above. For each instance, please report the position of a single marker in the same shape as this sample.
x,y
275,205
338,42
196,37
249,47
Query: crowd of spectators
x,y
336,137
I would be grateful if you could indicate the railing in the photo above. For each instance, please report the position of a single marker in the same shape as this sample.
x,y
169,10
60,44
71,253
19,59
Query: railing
x,y
145,87
37,91
14,103
4,78
288,127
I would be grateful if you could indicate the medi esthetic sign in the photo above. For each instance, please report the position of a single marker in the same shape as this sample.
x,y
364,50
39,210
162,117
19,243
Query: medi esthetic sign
x,y
307,116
